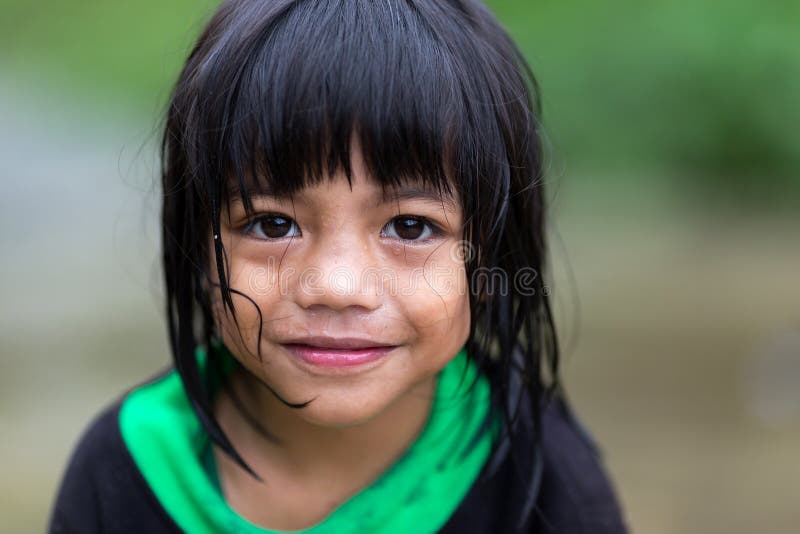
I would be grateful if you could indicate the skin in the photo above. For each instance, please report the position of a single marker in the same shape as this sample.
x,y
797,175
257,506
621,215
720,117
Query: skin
x,y
360,419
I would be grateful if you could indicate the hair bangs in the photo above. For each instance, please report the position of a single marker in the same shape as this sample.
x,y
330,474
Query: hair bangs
x,y
286,100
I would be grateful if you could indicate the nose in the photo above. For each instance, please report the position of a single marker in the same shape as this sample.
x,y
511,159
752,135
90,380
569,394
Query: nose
x,y
339,274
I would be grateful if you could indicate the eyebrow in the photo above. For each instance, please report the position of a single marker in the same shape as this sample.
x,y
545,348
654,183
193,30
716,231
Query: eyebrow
x,y
418,193
409,192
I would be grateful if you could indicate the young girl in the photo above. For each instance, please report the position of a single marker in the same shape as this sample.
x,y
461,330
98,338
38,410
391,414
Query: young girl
x,y
353,242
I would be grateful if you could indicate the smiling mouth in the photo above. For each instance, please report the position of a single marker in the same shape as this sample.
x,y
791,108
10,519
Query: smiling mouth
x,y
338,352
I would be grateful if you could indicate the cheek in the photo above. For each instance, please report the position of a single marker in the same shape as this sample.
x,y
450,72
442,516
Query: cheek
x,y
254,292
437,300
253,271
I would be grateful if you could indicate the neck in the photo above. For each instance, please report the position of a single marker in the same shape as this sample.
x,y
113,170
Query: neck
x,y
304,448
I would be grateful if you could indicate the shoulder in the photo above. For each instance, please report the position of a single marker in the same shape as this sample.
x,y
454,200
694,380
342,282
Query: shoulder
x,y
101,489
571,492
576,493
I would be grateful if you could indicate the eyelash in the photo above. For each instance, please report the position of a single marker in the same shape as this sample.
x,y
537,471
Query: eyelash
x,y
253,224
433,229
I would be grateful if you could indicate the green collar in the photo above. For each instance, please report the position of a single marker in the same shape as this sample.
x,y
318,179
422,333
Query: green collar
x,y
420,491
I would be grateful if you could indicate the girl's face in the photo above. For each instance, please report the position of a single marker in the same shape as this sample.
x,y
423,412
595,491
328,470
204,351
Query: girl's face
x,y
335,273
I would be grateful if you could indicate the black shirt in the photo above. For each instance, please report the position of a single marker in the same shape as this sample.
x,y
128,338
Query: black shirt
x,y
103,490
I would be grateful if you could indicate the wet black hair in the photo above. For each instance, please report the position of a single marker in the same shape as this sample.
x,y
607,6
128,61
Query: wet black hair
x,y
273,95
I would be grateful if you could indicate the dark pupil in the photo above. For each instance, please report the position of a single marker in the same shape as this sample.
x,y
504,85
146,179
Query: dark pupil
x,y
275,226
409,228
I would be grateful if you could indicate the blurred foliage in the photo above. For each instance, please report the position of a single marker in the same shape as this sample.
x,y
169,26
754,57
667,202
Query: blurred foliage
x,y
131,51
703,93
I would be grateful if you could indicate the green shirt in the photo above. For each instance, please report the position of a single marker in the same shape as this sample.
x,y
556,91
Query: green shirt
x,y
418,493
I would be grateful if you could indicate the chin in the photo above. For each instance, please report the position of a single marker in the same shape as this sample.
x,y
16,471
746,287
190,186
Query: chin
x,y
336,417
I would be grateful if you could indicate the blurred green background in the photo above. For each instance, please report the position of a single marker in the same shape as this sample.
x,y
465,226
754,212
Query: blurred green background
x,y
674,175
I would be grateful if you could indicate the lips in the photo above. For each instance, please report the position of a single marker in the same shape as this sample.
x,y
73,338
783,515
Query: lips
x,y
323,351
325,342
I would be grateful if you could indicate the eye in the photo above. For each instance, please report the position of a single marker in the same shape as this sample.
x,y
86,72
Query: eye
x,y
410,228
272,227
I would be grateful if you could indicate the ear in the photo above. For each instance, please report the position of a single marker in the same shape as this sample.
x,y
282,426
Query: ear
x,y
208,270
483,298
204,279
